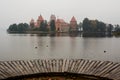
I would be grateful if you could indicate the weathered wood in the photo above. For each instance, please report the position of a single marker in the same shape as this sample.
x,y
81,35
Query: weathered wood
x,y
91,67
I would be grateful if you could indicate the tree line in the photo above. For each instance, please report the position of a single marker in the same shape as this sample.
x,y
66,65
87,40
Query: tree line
x,y
23,27
99,27
87,26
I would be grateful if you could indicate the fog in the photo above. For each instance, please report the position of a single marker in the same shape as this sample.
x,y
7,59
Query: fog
x,y
17,11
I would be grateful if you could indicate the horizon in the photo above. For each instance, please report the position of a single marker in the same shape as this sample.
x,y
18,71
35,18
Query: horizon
x,y
18,11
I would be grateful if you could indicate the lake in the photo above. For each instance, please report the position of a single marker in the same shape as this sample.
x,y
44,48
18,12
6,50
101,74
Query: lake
x,y
33,46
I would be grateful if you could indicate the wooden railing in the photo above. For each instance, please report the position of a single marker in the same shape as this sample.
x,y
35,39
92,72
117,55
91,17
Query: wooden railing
x,y
106,69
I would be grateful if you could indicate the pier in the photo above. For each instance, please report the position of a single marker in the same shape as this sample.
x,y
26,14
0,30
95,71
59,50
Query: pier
x,y
102,69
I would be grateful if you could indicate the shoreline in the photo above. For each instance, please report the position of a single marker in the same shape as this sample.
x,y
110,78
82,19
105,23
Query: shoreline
x,y
73,33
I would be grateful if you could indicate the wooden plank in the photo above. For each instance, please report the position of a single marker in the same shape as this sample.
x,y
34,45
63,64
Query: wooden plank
x,y
25,69
78,65
31,67
70,65
110,69
64,67
46,66
3,74
81,65
102,69
43,67
98,68
93,69
84,66
89,67
49,66
10,70
74,66
116,70
60,65
28,66
16,68
4,70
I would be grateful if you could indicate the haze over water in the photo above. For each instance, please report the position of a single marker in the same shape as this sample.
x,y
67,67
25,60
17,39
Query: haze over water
x,y
22,46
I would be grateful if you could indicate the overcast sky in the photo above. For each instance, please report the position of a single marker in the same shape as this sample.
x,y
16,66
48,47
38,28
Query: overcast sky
x,y
16,11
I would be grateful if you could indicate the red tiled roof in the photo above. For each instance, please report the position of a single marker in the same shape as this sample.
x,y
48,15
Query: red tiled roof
x,y
73,19
60,20
40,18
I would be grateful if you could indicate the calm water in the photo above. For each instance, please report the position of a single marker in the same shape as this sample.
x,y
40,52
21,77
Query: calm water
x,y
22,47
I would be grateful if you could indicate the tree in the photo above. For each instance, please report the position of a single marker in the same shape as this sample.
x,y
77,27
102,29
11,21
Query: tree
x,y
93,26
117,28
101,27
52,26
43,26
86,25
109,28
26,26
32,25
22,27
13,27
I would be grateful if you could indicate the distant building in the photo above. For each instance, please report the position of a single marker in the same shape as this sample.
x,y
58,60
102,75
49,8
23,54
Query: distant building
x,y
53,17
36,24
39,20
73,24
32,23
61,26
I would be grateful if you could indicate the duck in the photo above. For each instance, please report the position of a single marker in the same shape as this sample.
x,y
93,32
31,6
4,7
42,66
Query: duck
x,y
105,51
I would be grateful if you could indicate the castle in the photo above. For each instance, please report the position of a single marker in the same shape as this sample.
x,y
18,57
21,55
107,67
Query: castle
x,y
60,24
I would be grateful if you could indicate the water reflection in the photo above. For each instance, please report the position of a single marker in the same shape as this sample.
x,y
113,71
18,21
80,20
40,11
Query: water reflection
x,y
44,46
73,34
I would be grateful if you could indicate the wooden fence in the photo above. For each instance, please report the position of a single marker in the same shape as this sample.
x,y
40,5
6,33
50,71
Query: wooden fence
x,y
90,67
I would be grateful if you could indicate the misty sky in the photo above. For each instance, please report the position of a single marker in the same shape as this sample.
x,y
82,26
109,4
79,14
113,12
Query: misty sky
x,y
17,11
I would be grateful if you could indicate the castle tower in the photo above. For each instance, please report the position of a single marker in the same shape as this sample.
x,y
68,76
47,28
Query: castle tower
x,y
53,17
73,24
32,23
61,25
58,25
39,20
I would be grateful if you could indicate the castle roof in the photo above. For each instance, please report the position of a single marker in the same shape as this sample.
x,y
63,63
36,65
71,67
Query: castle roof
x,y
40,18
60,20
52,17
32,20
73,19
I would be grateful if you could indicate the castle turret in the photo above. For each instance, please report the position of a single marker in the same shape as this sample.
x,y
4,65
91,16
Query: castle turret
x,y
73,24
32,23
53,17
39,20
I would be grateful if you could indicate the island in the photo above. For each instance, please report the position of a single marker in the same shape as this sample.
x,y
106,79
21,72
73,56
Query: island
x,y
57,25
